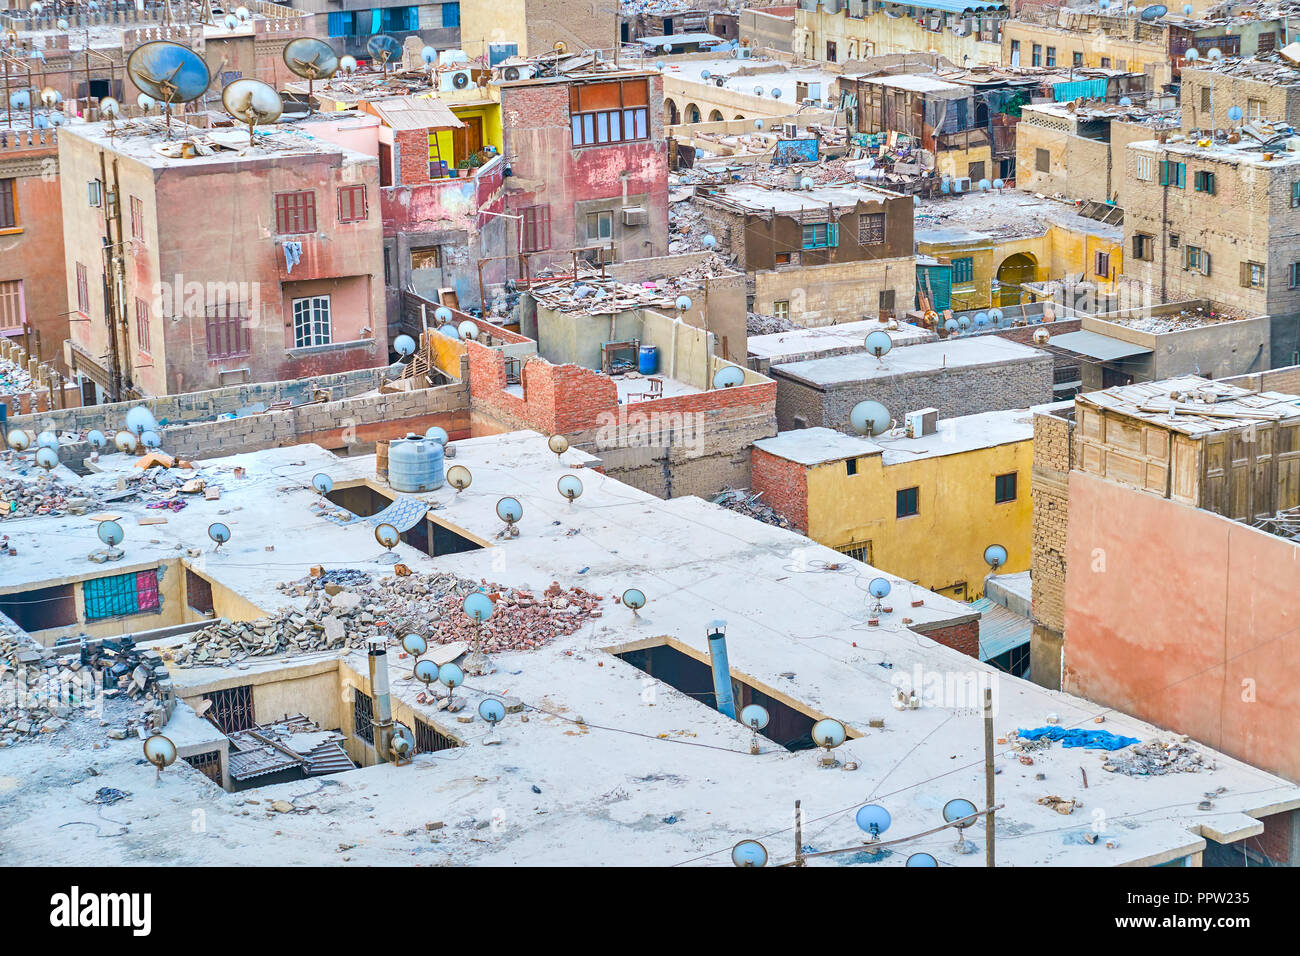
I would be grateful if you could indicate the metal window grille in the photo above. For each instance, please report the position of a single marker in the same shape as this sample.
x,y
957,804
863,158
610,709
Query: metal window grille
x,y
871,228
295,213
428,740
363,713
860,551
208,764
121,594
232,708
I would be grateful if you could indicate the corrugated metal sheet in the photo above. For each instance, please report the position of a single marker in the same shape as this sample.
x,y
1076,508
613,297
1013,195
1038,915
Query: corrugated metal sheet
x,y
1097,346
416,112
1000,630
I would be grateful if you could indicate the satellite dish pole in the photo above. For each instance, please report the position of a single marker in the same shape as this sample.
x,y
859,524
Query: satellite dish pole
x,y
989,828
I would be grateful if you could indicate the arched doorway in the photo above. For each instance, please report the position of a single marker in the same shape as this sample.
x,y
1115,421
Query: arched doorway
x,y
673,116
715,116
1014,272
692,113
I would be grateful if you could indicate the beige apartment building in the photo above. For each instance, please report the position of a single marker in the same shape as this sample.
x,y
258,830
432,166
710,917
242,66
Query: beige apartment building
x,y
1267,89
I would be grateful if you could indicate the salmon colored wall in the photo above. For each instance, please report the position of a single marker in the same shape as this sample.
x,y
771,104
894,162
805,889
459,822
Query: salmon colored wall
x,y
1172,611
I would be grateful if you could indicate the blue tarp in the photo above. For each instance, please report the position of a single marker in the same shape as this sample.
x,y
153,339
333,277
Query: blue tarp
x,y
1077,737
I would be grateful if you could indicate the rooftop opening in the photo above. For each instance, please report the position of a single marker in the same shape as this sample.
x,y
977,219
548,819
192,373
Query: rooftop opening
x,y
41,608
789,727
431,537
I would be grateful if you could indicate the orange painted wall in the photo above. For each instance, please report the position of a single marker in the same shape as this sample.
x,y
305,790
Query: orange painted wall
x,y
1172,612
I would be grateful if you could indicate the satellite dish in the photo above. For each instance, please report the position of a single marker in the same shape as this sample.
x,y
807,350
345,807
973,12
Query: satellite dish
x,y
243,13
633,598
952,325
125,442
47,439
558,444
139,420
383,48
1214,53
755,717
388,537
110,107
437,434
998,184
570,487
1125,101
880,587
219,532
168,72
729,376
404,345
159,751
426,671
873,819
776,94
1188,9
145,102
870,418
50,96
18,440
709,242
151,439
110,532
492,710
705,74
995,315
252,102
467,329
749,853
981,319
97,439
323,483
1191,54
829,733
478,607
442,314
458,477
995,556
921,859
311,58
428,54
47,458
450,332
347,64
1154,12
879,343
509,510
414,644
1041,336
1235,113
450,675
683,303
231,22
959,809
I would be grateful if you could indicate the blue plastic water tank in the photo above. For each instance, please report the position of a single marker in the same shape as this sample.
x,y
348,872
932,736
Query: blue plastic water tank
x,y
414,464
648,360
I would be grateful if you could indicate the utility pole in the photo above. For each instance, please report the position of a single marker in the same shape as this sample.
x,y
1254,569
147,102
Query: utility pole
x,y
989,827
798,834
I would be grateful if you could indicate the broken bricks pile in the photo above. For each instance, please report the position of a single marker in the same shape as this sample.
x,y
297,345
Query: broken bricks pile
x,y
751,505
44,495
1158,757
427,604
42,689
756,323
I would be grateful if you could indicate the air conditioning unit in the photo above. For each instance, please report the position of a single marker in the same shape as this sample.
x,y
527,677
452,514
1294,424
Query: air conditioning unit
x,y
519,71
635,216
452,80
742,53
961,185
924,421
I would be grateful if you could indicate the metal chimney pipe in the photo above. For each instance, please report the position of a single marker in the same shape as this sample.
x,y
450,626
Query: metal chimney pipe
x,y
381,720
721,669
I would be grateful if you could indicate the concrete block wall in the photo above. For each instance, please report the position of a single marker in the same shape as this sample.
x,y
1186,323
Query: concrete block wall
x,y
963,390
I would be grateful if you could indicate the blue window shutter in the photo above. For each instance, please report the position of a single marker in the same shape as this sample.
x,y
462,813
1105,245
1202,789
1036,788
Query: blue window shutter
x,y
376,21
835,234
451,14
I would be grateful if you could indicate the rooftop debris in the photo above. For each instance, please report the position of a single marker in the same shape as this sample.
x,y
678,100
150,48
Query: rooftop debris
x,y
599,295
44,495
1158,757
1078,737
43,688
740,500
756,323
427,604
14,378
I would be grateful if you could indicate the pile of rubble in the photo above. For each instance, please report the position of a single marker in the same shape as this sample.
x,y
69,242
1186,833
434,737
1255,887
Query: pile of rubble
x,y
742,501
1158,757
42,689
14,378
335,617
756,323
42,495
333,579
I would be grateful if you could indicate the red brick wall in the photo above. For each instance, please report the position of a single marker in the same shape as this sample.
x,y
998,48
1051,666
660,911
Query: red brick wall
x,y
784,485
411,147
1275,841
960,637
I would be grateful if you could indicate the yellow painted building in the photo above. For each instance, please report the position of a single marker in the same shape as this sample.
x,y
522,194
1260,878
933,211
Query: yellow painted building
x,y
1003,242
858,29
923,508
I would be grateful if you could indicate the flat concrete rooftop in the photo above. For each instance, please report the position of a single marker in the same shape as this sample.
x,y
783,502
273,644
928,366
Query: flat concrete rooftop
x,y
612,766
928,357
802,344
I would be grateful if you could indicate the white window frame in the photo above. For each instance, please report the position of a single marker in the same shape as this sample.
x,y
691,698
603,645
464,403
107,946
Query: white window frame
x,y
311,322
1144,168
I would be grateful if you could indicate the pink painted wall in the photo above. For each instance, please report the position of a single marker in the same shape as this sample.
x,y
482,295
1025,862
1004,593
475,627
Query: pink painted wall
x,y
1171,611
